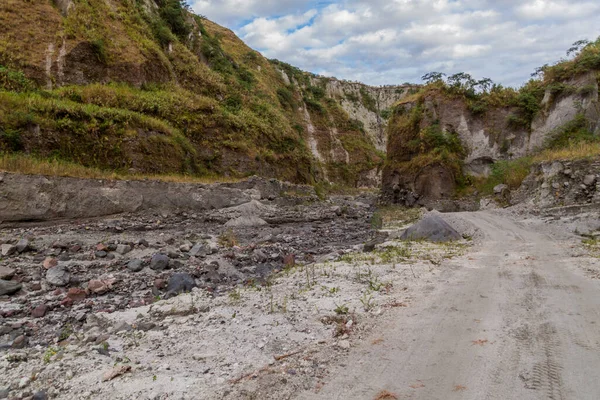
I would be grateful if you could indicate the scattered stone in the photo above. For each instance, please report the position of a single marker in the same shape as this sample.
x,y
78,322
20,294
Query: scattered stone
x,y
24,382
123,249
100,254
160,283
180,283
159,262
99,286
9,287
433,228
589,180
6,273
101,247
4,391
8,249
76,294
23,245
115,372
122,327
344,344
50,262
135,265
19,342
41,395
58,276
39,311
199,250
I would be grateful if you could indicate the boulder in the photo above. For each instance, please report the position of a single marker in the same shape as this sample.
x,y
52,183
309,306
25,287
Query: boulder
x,y
58,276
159,262
9,287
432,228
135,265
8,249
589,180
199,250
180,283
6,273
499,189
123,249
23,245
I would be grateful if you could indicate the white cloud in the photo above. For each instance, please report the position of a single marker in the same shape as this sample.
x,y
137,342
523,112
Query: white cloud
x,y
393,41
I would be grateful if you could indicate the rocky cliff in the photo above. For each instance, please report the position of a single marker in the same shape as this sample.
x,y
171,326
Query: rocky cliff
x,y
444,138
146,86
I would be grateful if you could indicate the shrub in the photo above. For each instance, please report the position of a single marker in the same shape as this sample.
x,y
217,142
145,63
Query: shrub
x,y
14,81
173,13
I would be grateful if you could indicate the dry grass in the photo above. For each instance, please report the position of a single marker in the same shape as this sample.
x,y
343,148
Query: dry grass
x,y
385,395
575,151
29,165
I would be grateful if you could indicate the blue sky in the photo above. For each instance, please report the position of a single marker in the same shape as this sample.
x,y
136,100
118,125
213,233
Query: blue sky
x,y
394,41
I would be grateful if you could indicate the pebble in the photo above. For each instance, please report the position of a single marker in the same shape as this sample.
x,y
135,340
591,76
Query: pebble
x,y
8,249
135,265
39,311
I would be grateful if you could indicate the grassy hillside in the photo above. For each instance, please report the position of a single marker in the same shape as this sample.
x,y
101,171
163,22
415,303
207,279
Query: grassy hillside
x,y
146,87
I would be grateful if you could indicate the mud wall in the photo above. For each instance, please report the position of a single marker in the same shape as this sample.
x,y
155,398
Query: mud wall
x,y
40,198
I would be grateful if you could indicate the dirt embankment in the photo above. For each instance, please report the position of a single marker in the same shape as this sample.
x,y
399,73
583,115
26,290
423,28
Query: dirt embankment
x,y
40,198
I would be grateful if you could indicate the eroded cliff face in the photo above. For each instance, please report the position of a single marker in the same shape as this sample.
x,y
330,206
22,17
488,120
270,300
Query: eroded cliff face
x,y
198,101
416,173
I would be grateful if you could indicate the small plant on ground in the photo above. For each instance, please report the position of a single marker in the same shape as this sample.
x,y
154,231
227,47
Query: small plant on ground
x,y
341,309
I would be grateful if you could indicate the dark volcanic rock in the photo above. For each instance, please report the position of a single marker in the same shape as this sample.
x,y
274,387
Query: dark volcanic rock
x,y
180,283
433,228
135,265
9,287
159,262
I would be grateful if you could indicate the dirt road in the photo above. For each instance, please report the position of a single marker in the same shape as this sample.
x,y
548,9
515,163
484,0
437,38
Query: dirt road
x,y
515,319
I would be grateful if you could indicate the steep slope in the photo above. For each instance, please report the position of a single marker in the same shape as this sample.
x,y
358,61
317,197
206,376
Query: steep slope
x,y
146,86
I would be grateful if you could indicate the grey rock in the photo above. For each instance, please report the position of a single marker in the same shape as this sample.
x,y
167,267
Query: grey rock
x,y
180,283
245,222
23,245
433,228
58,276
122,326
589,180
6,273
500,189
199,250
135,265
41,395
9,287
4,391
159,262
123,249
100,254
556,185
8,249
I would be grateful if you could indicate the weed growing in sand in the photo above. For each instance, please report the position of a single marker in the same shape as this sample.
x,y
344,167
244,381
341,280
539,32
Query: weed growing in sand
x,y
228,239
341,309
50,352
367,301
235,295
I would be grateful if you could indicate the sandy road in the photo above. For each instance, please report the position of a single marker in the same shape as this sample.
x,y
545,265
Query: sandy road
x,y
515,319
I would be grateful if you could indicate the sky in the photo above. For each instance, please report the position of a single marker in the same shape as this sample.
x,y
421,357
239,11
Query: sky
x,y
381,42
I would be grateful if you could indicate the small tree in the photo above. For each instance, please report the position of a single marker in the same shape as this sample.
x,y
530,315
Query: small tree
x,y
432,77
